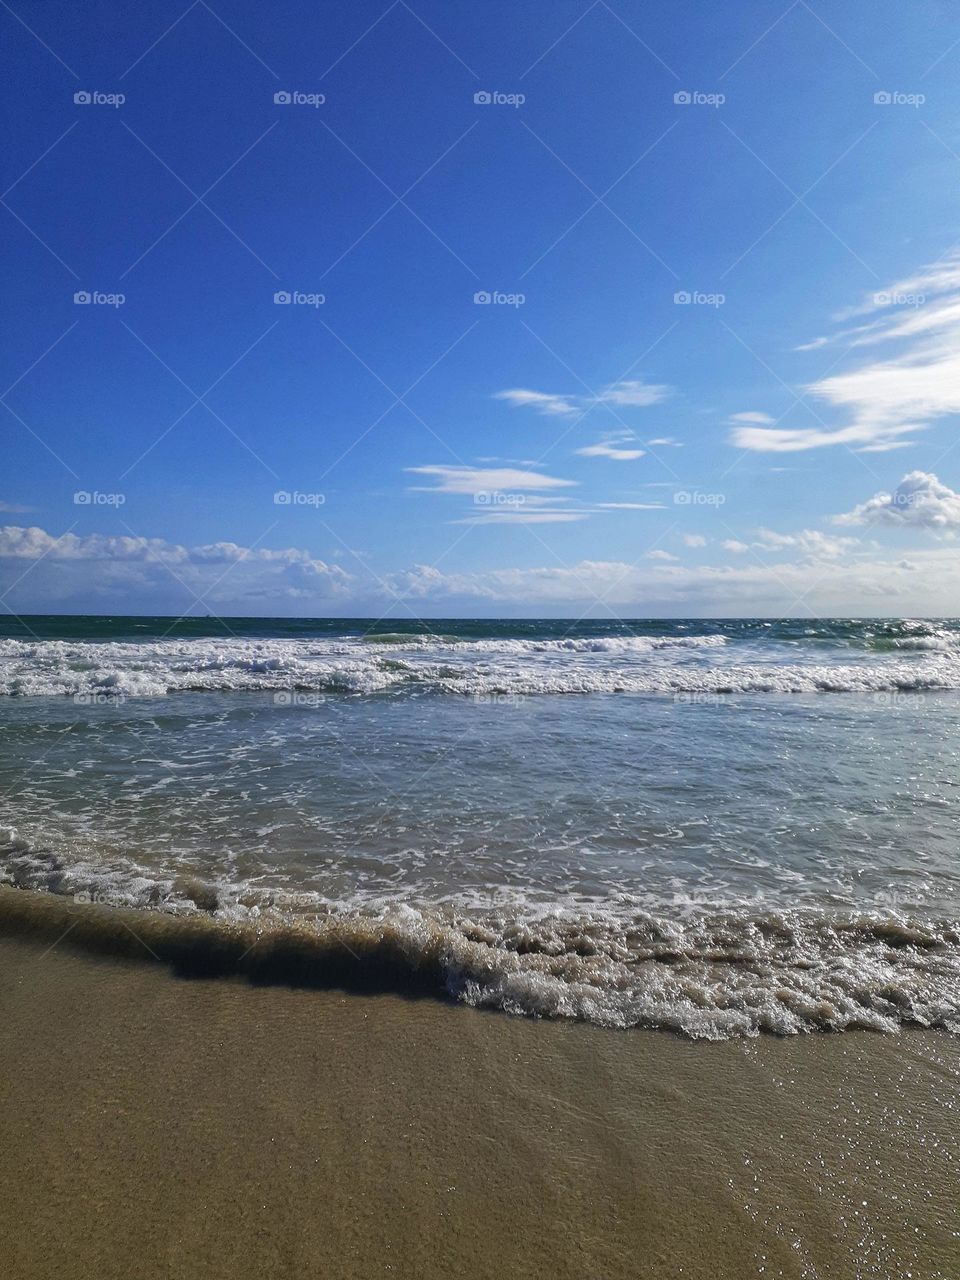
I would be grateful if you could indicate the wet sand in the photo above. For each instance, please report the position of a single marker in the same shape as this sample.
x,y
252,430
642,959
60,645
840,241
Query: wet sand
x,y
159,1126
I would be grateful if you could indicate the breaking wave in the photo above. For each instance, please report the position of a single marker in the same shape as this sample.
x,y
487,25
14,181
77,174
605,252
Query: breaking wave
x,y
705,664
706,974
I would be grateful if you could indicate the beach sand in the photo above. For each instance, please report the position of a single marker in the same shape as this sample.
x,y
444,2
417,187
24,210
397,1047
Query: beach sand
x,y
159,1126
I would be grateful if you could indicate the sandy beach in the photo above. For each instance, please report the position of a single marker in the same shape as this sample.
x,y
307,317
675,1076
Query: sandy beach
x,y
163,1126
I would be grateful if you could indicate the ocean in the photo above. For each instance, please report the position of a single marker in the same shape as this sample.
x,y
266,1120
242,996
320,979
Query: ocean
x,y
714,827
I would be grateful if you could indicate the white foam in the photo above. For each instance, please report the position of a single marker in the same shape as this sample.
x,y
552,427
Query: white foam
x,y
708,974
678,665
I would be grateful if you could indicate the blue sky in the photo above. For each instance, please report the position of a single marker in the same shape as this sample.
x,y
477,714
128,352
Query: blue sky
x,y
715,373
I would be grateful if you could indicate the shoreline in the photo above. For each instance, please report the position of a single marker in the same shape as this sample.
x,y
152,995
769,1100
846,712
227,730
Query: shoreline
x,y
168,1126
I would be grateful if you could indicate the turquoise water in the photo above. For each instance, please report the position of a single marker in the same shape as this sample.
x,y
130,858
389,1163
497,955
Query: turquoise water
x,y
720,827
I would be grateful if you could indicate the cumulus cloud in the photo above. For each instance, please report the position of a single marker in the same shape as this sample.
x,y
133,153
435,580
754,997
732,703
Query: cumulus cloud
x,y
631,393
890,396
45,573
660,555
694,540
97,563
786,588
920,501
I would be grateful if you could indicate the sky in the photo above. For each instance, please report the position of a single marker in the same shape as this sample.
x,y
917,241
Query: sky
x,y
568,308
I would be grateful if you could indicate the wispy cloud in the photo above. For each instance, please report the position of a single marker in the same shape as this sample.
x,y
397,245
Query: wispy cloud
x,y
542,401
892,396
610,449
631,393
477,480
632,506
519,514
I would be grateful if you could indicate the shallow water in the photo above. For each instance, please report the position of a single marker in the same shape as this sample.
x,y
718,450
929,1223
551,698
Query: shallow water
x,y
665,855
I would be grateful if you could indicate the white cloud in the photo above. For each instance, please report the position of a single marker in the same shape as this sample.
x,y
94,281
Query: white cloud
x,y
518,515
660,555
664,442
733,544
631,393
810,542
920,501
762,419
694,540
929,585
114,565
605,449
473,480
13,508
543,402
891,396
